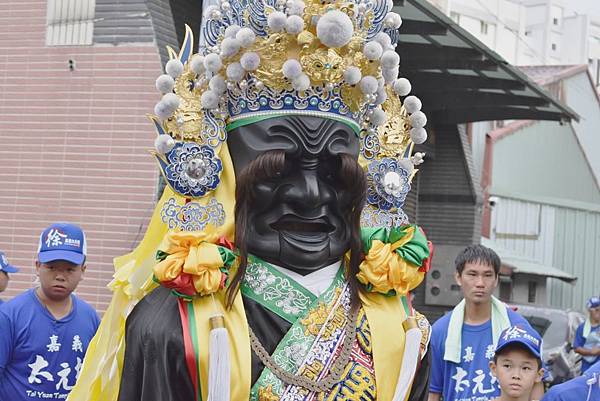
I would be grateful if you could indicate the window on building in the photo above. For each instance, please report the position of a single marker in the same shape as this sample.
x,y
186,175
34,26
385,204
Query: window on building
x,y
484,27
70,22
531,292
455,17
555,21
505,289
554,46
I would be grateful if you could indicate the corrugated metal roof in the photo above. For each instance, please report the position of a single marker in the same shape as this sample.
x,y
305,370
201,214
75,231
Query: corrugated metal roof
x,y
537,269
460,79
122,21
548,74
69,22
520,264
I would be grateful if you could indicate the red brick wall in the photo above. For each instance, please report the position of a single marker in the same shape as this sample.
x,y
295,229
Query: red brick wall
x,y
73,145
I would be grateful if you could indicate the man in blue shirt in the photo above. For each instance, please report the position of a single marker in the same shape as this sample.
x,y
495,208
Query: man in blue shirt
x,y
5,268
587,336
582,388
463,342
45,331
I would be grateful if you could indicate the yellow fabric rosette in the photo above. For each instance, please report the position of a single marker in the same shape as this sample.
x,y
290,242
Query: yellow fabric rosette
x,y
387,267
193,253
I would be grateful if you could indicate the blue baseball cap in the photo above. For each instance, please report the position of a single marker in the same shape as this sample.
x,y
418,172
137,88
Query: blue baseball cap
x,y
525,336
62,241
4,266
593,302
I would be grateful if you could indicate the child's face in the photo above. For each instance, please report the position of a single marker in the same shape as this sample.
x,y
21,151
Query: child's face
x,y
517,372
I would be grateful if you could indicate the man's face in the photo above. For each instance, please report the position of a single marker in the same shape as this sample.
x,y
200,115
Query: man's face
x,y
478,281
299,218
595,314
3,280
59,278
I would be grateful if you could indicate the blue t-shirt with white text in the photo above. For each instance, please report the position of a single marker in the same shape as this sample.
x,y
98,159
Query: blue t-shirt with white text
x,y
41,357
582,388
580,341
471,379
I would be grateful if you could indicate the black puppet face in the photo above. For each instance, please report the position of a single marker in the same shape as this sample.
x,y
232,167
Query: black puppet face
x,y
298,213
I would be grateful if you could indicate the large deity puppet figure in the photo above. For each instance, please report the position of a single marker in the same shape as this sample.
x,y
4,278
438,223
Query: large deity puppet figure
x,y
278,262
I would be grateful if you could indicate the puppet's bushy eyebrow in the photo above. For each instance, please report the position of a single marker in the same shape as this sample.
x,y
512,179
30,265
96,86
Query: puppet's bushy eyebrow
x,y
313,135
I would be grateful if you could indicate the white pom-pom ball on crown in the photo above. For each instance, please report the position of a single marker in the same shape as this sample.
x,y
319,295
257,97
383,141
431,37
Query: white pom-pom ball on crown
x,y
352,75
232,30
171,101
335,29
213,63
390,74
197,64
217,84
250,61
368,85
418,135
165,83
412,104
246,37
378,117
390,59
384,40
402,86
162,111
235,72
292,69
209,100
296,8
174,68
230,47
276,21
372,50
418,119
294,24
164,143
392,20
301,82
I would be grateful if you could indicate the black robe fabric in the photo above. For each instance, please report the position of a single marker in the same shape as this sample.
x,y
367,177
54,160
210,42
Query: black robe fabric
x,y
154,367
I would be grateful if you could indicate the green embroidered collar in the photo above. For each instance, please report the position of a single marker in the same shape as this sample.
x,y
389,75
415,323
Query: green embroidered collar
x,y
278,292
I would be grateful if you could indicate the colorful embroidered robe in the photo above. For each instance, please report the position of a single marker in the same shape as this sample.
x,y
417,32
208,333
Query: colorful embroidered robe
x,y
301,332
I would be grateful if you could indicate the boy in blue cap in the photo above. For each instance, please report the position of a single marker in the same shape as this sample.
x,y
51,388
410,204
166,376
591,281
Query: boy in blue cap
x,y
45,331
587,336
5,268
517,363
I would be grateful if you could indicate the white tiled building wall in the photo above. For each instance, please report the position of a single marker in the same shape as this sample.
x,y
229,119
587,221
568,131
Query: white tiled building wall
x,y
533,32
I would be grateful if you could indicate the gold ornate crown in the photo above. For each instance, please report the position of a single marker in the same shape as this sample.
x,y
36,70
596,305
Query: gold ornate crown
x,y
261,59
